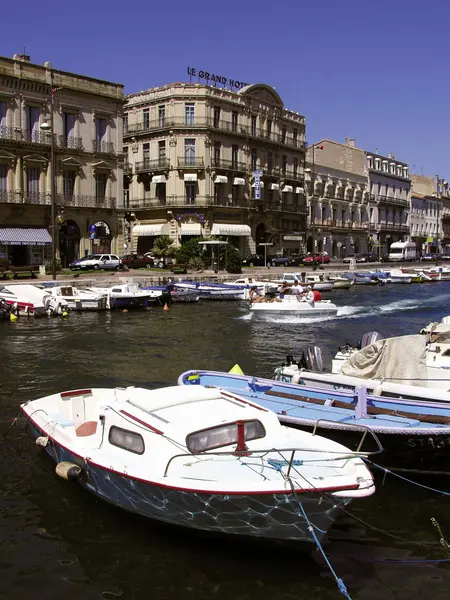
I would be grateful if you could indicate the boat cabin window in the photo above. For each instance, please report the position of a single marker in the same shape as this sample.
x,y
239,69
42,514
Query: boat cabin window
x,y
127,440
117,289
223,435
66,291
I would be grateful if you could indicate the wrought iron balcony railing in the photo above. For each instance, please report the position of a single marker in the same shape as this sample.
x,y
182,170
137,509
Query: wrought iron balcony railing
x,y
86,201
102,146
293,175
11,197
37,198
190,162
71,142
392,200
230,165
152,164
165,123
23,135
183,201
392,227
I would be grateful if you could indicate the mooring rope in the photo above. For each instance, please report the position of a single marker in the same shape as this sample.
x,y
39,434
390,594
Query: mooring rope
x,y
403,478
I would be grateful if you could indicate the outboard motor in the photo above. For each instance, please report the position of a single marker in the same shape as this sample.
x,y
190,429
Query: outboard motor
x,y
318,359
370,338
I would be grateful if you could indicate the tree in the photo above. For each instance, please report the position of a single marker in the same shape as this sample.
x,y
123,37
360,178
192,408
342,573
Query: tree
x,y
163,247
234,262
189,250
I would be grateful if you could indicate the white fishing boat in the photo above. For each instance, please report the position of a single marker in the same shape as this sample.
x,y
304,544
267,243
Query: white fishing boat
x,y
340,283
294,305
80,299
27,299
318,282
200,458
131,295
214,291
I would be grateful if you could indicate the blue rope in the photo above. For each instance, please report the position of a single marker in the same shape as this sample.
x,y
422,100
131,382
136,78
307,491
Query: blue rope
x,y
340,583
425,487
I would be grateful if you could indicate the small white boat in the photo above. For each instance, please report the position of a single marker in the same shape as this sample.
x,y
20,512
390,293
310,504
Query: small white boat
x,y
213,291
340,283
200,458
317,282
294,305
80,299
131,295
27,299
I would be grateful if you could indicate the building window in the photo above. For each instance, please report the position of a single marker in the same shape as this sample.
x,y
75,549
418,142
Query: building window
x,y
269,128
32,122
283,164
370,162
189,151
343,216
270,162
234,121
3,113
405,172
127,440
125,123
4,177
189,113
146,151
393,169
146,118
294,137
377,164
161,192
234,156
217,148
283,135
162,149
33,180
295,167
235,195
68,120
100,130
253,126
384,166
100,185
216,117
191,192
69,183
254,158
162,115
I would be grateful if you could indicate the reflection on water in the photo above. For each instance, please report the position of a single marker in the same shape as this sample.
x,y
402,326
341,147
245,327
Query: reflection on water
x,y
57,539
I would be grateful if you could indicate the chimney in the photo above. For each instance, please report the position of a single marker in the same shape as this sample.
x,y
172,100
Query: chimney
x,y
22,57
346,141
391,156
351,142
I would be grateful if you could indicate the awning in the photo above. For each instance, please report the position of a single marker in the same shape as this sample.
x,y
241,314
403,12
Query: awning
x,y
292,238
191,229
261,184
287,188
159,179
16,236
299,190
190,176
238,181
230,229
220,179
151,229
274,186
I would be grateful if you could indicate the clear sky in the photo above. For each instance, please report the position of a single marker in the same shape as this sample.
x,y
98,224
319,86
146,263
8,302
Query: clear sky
x,y
376,71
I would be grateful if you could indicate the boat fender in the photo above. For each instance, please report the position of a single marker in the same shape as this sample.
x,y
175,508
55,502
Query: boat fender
x,y
12,317
378,391
68,471
42,441
296,377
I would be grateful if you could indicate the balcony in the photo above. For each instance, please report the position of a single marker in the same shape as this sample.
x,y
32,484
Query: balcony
x,y
10,197
228,165
272,170
285,206
188,201
392,200
70,142
74,200
292,175
190,162
12,134
229,126
166,123
103,147
152,164
127,167
392,227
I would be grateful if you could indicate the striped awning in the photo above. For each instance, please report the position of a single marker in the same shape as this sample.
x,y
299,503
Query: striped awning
x,y
191,229
151,229
230,229
16,236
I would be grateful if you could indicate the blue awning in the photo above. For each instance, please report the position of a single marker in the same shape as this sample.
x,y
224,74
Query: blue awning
x,y
16,236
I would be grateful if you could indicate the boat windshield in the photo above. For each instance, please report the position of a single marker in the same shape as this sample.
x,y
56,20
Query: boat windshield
x,y
223,435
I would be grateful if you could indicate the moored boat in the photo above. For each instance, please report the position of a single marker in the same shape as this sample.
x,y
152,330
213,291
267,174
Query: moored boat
x,y
80,300
131,295
31,300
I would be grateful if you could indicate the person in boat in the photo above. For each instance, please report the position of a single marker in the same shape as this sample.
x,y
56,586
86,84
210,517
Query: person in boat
x,y
255,296
309,296
317,296
284,288
296,289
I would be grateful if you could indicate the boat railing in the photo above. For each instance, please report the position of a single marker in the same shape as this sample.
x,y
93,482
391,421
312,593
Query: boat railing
x,y
364,429
262,452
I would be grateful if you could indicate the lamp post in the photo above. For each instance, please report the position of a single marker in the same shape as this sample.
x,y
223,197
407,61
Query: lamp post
x,y
313,205
49,127
265,244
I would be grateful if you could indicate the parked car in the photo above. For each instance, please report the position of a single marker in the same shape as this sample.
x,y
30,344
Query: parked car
x,y
318,259
278,261
137,261
158,261
362,257
97,261
431,256
255,260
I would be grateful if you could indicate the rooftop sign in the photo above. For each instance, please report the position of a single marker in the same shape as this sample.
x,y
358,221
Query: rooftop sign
x,y
214,78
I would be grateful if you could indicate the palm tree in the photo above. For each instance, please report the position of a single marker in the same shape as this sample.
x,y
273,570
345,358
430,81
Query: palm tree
x,y
163,247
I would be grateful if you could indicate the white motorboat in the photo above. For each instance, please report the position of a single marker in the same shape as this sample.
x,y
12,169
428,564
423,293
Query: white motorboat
x,y
200,458
247,283
340,283
131,295
294,305
80,299
318,282
214,291
27,299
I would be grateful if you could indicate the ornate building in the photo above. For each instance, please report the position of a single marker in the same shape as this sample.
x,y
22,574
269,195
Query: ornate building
x,y
339,200
87,144
192,150
429,215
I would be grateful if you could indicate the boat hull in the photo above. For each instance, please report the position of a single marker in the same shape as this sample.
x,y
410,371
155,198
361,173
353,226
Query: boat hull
x,y
269,516
301,309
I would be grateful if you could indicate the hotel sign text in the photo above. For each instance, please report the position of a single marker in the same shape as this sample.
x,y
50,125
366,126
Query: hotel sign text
x,y
225,81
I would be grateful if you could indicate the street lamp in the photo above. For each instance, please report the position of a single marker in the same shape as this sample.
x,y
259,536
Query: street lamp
x,y
265,244
49,127
313,204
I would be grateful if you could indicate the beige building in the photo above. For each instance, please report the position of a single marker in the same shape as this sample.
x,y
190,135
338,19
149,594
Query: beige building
x,y
191,151
87,117
339,218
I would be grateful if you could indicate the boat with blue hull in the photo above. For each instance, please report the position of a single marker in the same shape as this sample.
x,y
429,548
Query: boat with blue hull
x,y
415,435
214,291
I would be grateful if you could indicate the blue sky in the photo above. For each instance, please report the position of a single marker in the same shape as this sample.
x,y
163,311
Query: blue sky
x,y
376,71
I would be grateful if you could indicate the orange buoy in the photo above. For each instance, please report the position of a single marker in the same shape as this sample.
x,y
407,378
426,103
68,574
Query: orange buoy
x,y
165,307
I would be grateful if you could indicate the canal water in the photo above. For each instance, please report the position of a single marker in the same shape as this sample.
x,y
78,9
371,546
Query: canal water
x,y
58,541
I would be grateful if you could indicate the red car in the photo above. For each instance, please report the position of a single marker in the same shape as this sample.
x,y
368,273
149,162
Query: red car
x,y
137,261
318,259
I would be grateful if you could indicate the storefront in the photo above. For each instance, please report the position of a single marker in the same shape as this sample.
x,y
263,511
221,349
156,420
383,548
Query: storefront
x,y
100,236
24,246
237,235
69,242
144,235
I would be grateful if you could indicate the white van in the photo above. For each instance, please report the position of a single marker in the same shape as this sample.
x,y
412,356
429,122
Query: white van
x,y
402,251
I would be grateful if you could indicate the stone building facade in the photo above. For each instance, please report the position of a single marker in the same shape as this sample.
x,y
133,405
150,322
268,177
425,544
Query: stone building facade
x,y
87,143
191,152
430,213
339,201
